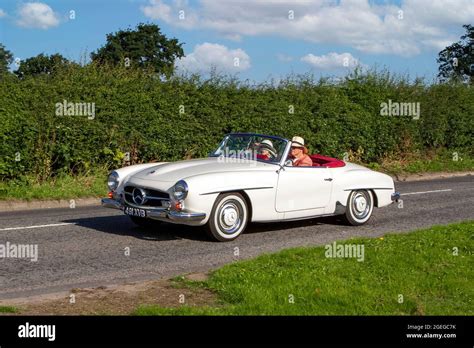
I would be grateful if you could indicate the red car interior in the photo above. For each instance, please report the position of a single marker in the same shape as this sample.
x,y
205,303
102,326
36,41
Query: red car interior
x,y
323,161
262,157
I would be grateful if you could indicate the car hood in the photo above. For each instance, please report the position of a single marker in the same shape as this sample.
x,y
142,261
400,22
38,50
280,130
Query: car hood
x,y
174,171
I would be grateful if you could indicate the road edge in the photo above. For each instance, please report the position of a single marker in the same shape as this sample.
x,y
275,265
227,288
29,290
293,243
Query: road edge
x,y
21,205
429,176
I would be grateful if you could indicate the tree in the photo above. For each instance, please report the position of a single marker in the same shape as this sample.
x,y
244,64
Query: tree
x,y
6,58
456,62
145,47
41,64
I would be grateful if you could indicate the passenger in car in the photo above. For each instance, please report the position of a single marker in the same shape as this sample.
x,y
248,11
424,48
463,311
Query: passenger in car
x,y
299,153
266,150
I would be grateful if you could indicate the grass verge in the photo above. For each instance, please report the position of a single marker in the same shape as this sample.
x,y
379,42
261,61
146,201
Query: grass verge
x,y
425,272
63,187
442,161
8,309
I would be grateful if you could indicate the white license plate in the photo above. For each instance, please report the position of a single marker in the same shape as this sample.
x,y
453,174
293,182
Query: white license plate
x,y
135,212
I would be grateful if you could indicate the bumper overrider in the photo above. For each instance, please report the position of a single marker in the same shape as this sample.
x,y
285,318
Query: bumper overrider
x,y
157,213
395,196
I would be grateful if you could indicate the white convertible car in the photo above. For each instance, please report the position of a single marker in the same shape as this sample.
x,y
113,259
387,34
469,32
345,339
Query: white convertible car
x,y
249,178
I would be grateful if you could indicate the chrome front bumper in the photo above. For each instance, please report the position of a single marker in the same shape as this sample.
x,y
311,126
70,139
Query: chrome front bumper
x,y
395,196
163,214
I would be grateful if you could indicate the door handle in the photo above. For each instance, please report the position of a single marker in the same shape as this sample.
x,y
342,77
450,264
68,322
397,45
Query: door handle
x,y
328,179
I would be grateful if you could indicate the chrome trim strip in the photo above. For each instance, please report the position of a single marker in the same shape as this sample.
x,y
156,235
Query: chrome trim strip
x,y
233,190
149,197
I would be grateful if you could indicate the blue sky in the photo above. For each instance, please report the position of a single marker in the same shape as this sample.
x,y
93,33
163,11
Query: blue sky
x,y
253,39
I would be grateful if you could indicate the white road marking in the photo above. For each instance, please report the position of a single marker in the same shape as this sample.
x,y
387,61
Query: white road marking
x,y
423,192
35,226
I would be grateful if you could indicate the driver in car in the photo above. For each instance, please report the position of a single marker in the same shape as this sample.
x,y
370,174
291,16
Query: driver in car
x,y
299,153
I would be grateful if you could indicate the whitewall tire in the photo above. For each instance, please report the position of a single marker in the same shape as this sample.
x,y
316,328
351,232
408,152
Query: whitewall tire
x,y
228,218
359,207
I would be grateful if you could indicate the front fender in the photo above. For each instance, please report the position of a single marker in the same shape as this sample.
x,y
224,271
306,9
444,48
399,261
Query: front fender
x,y
259,186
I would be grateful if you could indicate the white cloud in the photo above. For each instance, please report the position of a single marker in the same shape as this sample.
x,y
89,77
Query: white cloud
x,y
179,14
406,29
157,10
2,13
430,12
37,15
209,56
332,61
284,58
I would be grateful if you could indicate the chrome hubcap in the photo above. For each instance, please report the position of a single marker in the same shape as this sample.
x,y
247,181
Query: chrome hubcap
x,y
361,205
229,217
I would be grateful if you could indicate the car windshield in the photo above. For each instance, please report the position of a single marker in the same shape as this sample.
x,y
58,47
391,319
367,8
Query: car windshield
x,y
251,147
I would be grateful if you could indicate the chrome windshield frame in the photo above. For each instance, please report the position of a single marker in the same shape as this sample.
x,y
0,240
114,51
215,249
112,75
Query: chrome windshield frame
x,y
286,153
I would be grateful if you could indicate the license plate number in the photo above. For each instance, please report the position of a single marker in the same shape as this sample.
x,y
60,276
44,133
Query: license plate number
x,y
135,212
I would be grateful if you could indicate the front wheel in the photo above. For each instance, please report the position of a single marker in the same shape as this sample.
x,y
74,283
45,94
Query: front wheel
x,y
228,218
360,205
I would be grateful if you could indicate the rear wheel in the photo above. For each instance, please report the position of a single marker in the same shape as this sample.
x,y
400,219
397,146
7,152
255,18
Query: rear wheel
x,y
360,205
228,218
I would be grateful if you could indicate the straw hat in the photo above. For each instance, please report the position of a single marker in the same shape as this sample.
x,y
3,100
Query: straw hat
x,y
297,142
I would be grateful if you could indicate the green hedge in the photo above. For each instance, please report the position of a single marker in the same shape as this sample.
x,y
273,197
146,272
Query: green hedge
x,y
139,113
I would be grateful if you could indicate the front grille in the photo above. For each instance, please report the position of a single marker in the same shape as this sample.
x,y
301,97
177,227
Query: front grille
x,y
155,198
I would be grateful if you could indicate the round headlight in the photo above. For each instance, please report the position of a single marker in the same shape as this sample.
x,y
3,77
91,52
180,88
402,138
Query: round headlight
x,y
113,181
180,190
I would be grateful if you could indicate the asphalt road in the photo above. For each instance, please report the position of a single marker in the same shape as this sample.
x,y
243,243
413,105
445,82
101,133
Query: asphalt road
x,y
86,247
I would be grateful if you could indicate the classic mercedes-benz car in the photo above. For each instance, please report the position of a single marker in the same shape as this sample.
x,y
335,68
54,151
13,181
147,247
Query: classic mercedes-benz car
x,y
248,178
